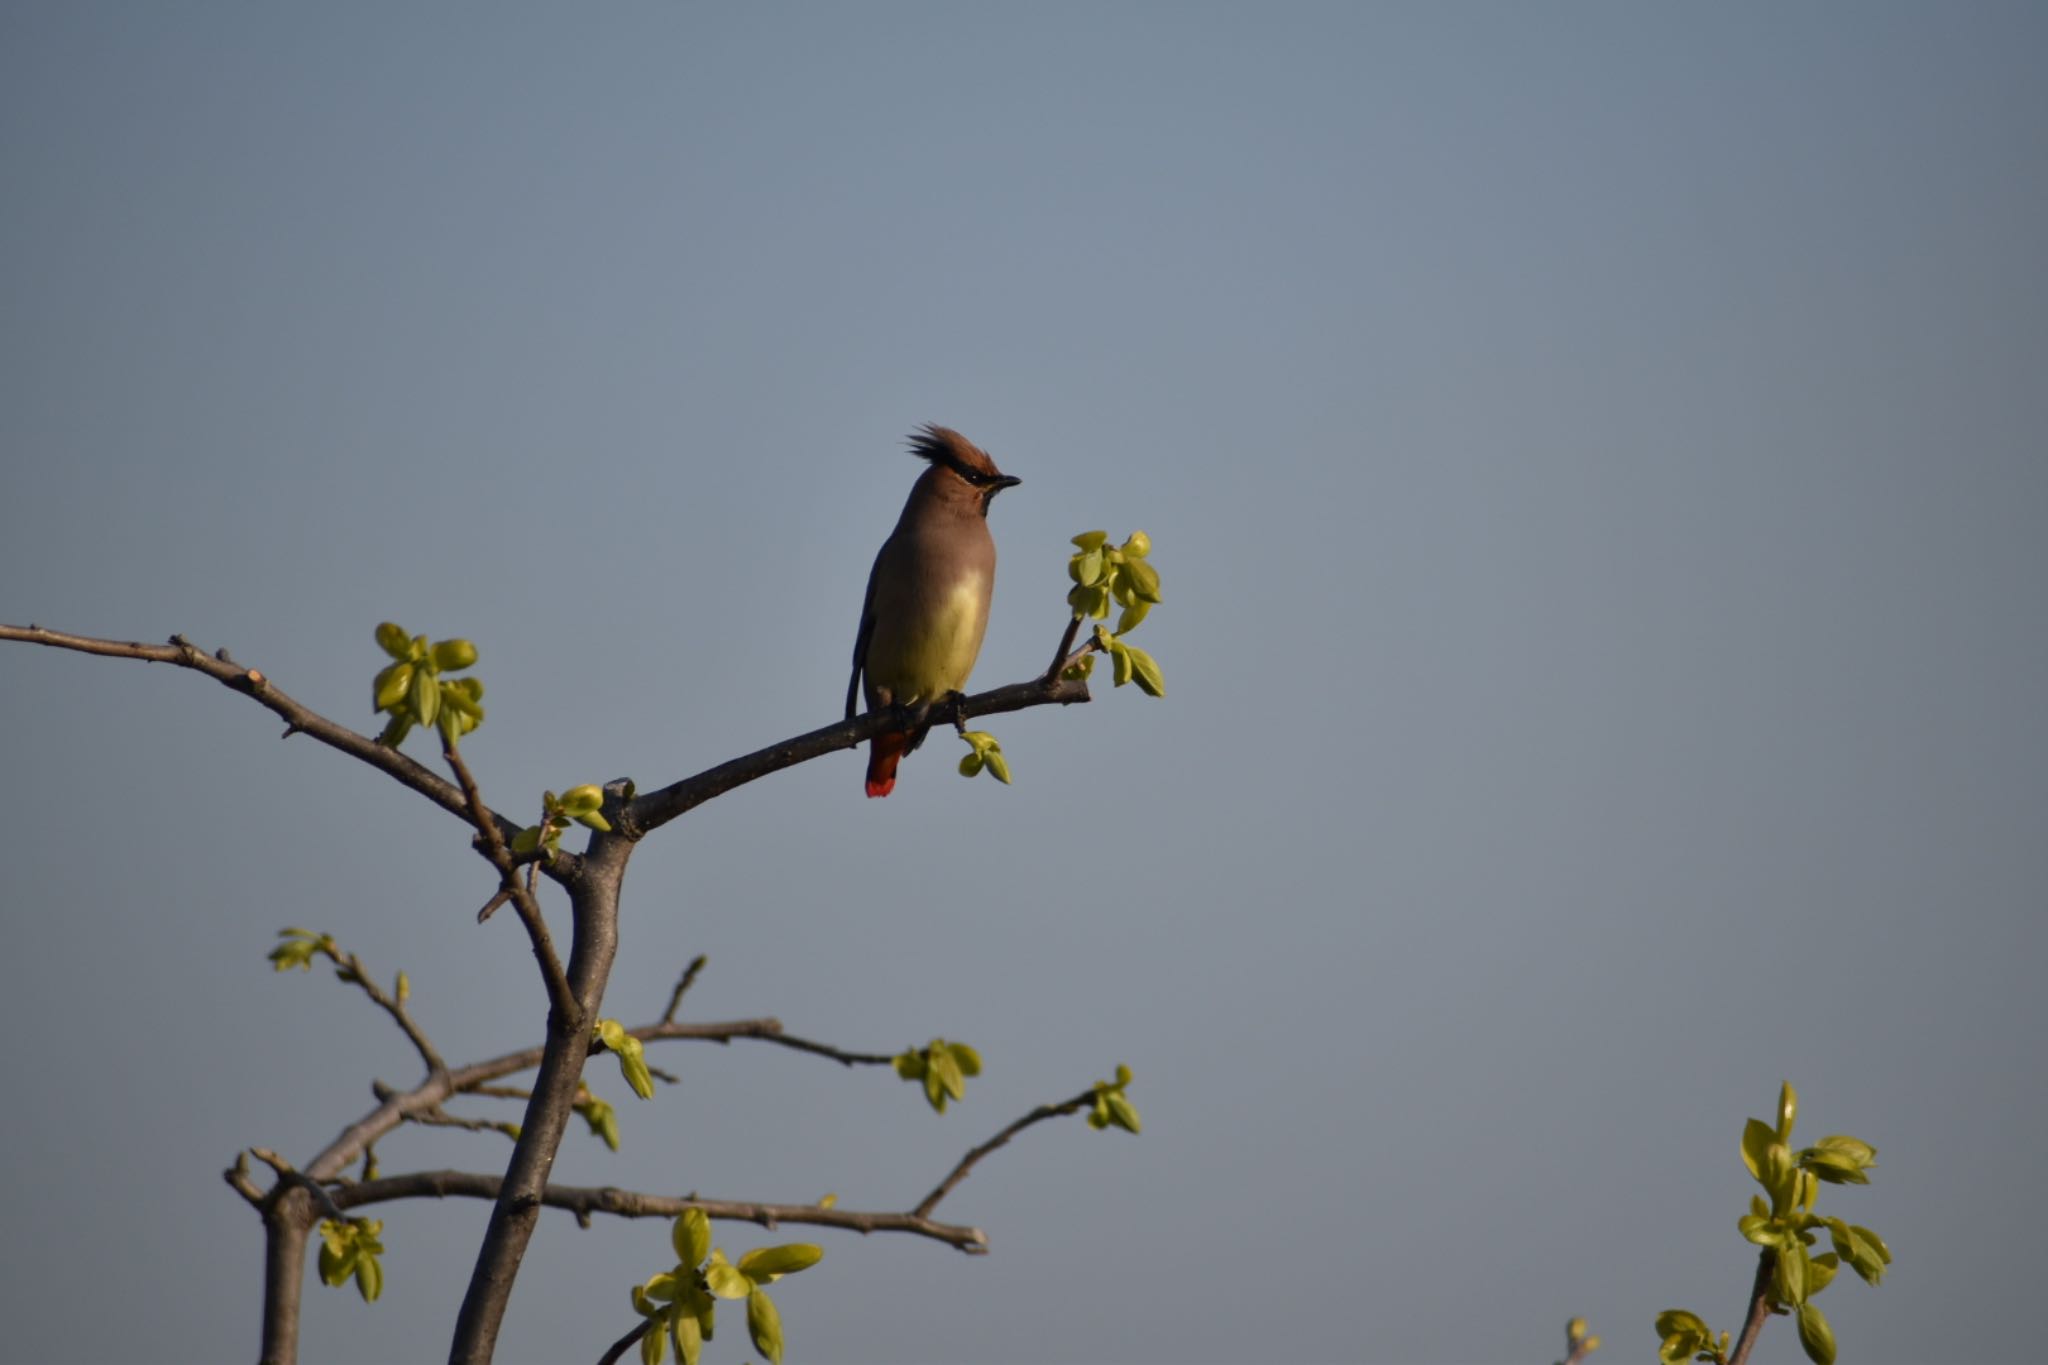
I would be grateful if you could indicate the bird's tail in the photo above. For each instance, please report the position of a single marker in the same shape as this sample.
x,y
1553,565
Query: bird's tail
x,y
885,750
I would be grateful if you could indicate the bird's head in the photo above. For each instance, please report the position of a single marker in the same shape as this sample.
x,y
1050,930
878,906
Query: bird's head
x,y
953,455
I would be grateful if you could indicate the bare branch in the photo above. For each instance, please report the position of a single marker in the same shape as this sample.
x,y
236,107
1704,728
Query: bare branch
x,y
689,976
238,1180
967,1163
298,718
618,1349
288,1174
391,1005
584,1201
523,900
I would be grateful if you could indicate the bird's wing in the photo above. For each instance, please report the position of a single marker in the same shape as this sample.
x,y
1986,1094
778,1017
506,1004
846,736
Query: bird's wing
x,y
860,642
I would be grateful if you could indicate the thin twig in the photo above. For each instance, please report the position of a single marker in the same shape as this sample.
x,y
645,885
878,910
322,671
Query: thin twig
x,y
967,1163
618,1349
584,1201
689,976
1759,1307
288,1174
1060,660
394,1007
523,900
441,1118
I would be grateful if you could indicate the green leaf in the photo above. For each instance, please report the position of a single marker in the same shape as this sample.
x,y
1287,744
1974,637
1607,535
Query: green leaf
x,y
1757,1137
1788,1109
653,1342
970,765
602,1118
393,640
764,1325
725,1279
390,686
1120,655
1815,1336
764,1265
1789,1272
909,1064
1820,1272
968,1059
691,1237
369,1278
1121,1113
452,656
1762,1229
947,1069
1139,545
1127,620
1086,567
1855,1149
633,1066
998,766
426,697
689,1337
1150,680
1091,540
1143,579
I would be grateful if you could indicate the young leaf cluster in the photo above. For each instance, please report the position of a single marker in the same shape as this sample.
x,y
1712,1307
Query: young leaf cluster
x,y
1578,1345
1786,1227
1105,573
599,1114
632,1056
300,947
988,753
350,1250
943,1067
579,804
1112,1109
682,1303
411,690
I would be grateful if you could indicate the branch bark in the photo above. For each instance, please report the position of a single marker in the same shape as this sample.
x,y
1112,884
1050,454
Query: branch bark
x,y
585,1200
594,904
1759,1308
651,810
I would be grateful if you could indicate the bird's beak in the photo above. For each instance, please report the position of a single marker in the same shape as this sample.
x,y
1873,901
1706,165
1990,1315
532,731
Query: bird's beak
x,y
1005,481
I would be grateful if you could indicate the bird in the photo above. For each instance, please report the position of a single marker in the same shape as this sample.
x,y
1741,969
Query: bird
x,y
927,601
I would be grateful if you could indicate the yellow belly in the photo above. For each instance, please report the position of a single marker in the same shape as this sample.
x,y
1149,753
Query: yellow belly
x,y
911,661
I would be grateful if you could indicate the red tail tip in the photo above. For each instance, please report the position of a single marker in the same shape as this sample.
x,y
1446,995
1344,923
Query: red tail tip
x,y
882,788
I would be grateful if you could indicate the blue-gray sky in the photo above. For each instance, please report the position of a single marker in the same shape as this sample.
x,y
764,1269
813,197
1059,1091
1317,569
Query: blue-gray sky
x,y
1595,458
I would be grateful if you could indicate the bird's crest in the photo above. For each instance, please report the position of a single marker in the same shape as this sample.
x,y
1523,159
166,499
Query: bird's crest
x,y
943,445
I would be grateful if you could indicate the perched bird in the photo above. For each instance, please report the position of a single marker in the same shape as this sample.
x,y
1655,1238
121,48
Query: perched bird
x,y
928,594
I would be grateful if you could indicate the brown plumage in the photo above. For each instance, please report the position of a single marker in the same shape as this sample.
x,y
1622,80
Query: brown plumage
x,y
928,594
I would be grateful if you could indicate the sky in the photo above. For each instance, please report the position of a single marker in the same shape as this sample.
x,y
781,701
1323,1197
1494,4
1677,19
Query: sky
x,y
1593,457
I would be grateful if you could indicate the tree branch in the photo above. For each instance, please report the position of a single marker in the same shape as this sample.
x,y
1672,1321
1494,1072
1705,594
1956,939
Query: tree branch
x,y
585,1200
675,999
1759,1308
394,1007
651,810
967,1163
509,884
298,718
